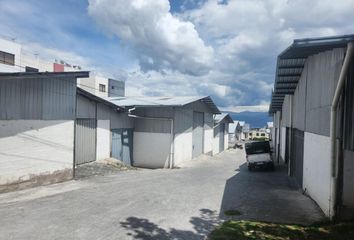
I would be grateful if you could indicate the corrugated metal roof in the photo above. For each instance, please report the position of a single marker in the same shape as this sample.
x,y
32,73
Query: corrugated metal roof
x,y
163,101
292,60
218,118
82,74
97,98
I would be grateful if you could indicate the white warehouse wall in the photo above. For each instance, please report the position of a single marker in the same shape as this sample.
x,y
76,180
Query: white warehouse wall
x,y
183,147
317,169
226,137
151,150
208,140
216,143
35,148
103,140
282,144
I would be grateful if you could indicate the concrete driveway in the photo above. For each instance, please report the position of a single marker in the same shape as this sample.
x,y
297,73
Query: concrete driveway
x,y
182,203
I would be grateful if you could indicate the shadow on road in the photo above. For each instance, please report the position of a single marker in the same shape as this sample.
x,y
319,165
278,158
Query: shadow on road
x,y
264,195
141,228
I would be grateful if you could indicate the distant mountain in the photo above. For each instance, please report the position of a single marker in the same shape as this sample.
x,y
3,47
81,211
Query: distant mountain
x,y
255,119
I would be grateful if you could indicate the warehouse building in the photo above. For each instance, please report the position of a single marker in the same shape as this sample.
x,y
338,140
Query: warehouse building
x,y
221,132
37,121
103,130
169,130
312,108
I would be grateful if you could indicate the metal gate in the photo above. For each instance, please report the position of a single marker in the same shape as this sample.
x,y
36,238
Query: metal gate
x,y
221,137
297,155
122,145
85,140
198,133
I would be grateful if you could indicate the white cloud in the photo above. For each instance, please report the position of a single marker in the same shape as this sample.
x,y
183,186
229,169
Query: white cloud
x,y
254,108
162,41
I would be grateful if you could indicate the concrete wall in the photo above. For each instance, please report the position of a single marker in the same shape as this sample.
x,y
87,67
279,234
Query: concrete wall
x,y
282,144
151,150
226,137
216,140
34,152
317,173
208,133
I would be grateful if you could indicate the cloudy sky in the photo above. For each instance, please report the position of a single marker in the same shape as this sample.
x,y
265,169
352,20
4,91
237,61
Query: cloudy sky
x,y
226,49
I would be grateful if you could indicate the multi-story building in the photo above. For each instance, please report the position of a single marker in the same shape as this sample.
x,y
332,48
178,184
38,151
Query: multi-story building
x,y
14,59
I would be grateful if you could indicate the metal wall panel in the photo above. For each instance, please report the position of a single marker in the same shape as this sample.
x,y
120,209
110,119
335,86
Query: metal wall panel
x,y
85,140
286,114
37,98
121,120
322,76
183,120
299,102
86,108
198,134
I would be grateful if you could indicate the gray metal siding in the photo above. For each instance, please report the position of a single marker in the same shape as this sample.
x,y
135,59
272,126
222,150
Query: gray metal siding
x,y
208,120
198,106
121,120
198,134
183,121
104,112
299,102
38,98
152,125
85,141
286,114
322,77
86,108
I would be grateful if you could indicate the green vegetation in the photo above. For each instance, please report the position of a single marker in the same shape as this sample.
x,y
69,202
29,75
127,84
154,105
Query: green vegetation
x,y
247,230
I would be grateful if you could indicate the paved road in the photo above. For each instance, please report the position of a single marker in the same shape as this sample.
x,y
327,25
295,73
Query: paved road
x,y
154,204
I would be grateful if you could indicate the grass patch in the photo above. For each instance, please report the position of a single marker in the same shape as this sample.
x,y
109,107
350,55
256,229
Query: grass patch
x,y
232,213
247,230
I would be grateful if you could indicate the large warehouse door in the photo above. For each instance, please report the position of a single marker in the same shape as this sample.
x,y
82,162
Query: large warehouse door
x,y
297,155
85,140
221,137
198,132
122,145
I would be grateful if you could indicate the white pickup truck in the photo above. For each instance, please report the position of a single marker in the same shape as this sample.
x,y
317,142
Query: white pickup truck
x,y
258,155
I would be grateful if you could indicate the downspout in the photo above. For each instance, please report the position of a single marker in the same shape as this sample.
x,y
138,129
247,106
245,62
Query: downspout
x,y
333,130
171,159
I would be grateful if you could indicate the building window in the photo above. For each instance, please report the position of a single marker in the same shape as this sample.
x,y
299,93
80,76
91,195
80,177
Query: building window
x,y
102,87
7,58
262,134
257,134
31,69
112,87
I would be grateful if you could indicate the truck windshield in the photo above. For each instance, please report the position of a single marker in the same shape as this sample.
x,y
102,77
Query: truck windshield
x,y
257,147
